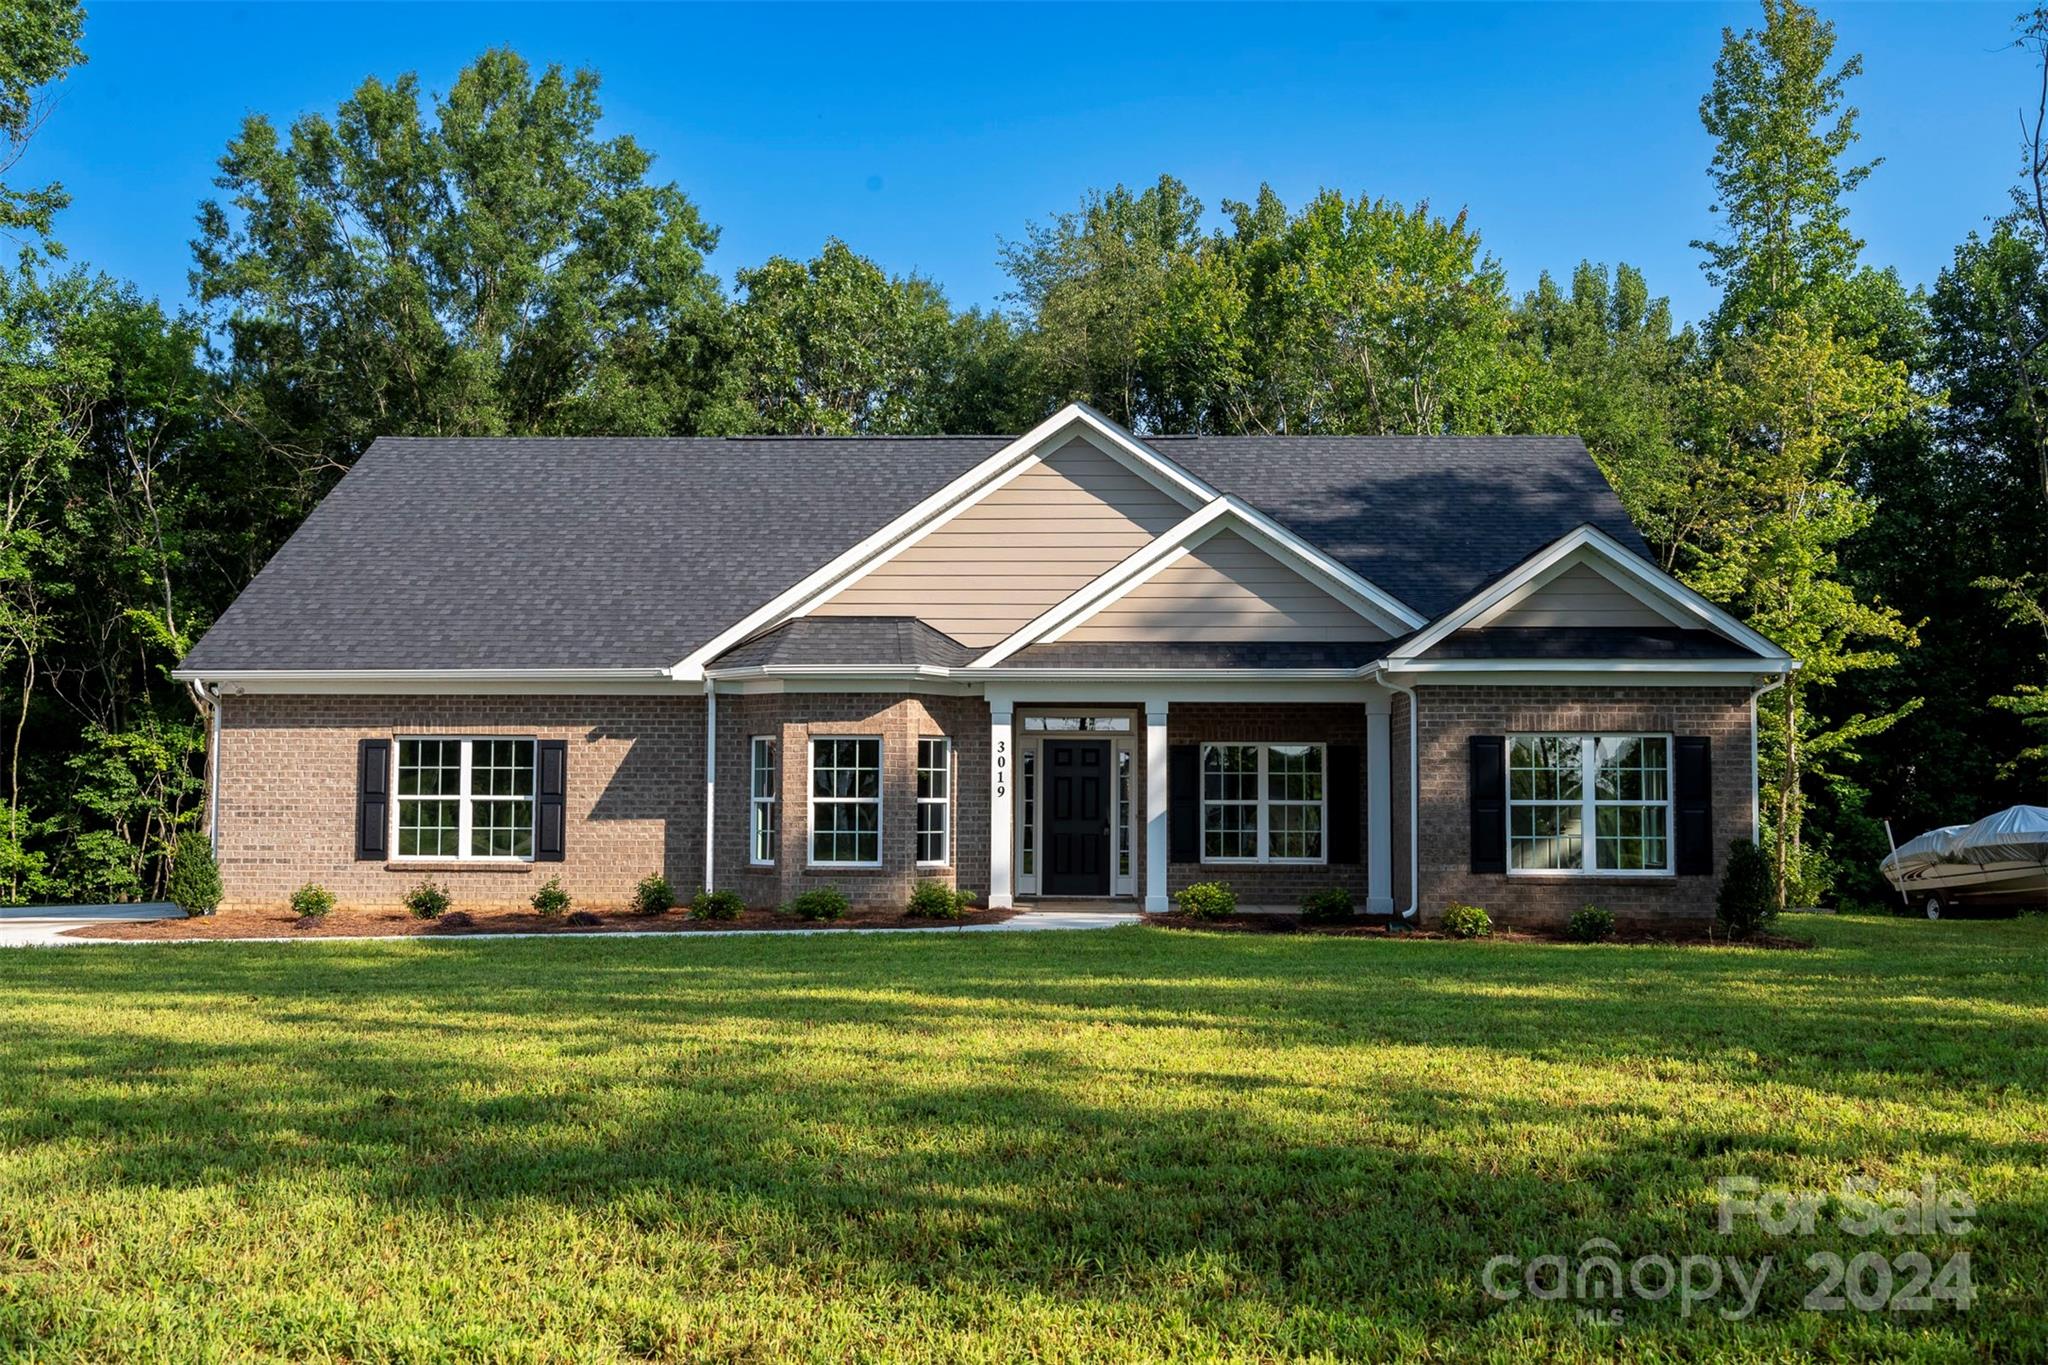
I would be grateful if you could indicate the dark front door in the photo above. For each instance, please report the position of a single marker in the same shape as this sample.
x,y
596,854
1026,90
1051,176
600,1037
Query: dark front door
x,y
1077,817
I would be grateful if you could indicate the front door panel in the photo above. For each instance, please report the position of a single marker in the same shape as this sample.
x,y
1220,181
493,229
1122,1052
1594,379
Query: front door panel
x,y
1077,817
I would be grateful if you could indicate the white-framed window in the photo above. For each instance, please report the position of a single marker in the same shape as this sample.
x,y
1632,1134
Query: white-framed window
x,y
464,798
1589,803
764,786
846,801
1027,809
934,801
1123,812
1264,803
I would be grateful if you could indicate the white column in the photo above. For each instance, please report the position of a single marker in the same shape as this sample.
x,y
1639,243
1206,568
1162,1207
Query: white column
x,y
1156,851
710,785
1379,804
1002,744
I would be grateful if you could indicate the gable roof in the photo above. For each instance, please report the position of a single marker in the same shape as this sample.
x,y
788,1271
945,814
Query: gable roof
x,y
887,641
438,554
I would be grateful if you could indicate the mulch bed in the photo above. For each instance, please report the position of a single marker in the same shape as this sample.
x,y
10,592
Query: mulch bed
x,y
1288,924
342,923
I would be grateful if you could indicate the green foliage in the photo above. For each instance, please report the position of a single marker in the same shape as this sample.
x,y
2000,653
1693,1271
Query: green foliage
x,y
716,905
428,900
653,896
1590,924
1207,900
194,884
312,901
932,899
1467,921
38,45
821,903
1746,900
1331,905
550,898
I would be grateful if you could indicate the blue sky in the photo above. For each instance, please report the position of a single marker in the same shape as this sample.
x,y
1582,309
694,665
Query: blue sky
x,y
922,135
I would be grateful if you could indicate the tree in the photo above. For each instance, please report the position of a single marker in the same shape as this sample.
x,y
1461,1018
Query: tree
x,y
38,45
1780,169
2025,604
494,268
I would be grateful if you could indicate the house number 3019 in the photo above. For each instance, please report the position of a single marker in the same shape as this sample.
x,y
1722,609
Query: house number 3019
x,y
1002,765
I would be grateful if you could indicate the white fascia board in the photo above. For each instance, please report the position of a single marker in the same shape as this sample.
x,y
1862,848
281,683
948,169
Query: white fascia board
x,y
1487,668
452,675
1227,513
1645,576
948,502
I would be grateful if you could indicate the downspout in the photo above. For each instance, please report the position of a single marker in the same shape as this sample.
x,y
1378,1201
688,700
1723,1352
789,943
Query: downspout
x,y
212,695
1755,791
710,782
1414,798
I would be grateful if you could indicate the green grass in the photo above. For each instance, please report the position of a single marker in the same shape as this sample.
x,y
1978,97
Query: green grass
x,y
1131,1143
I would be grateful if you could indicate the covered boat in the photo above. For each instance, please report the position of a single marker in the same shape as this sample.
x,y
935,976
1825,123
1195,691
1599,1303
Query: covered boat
x,y
2002,860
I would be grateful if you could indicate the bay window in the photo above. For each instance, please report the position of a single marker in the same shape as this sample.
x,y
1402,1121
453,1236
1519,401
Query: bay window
x,y
1589,803
465,798
1263,803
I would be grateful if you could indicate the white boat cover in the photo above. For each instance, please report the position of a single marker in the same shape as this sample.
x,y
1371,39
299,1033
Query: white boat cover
x,y
1935,846
2018,834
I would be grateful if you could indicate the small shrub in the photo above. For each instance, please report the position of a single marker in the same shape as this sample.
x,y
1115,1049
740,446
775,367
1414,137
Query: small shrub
x,y
194,885
551,899
312,900
721,905
654,896
1745,903
825,903
936,900
585,918
1207,900
428,900
1331,905
1467,921
1590,924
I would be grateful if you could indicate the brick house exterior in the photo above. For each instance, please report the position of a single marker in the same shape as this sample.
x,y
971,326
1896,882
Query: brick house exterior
x,y
1302,671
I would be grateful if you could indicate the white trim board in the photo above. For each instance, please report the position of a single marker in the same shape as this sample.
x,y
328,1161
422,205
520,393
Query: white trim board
x,y
1641,579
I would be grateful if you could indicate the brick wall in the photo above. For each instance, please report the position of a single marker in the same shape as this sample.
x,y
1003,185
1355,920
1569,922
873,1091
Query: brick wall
x,y
1450,715
635,800
900,721
1272,723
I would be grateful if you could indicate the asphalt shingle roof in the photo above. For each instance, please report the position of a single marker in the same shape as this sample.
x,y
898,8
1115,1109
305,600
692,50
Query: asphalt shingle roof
x,y
454,553
850,640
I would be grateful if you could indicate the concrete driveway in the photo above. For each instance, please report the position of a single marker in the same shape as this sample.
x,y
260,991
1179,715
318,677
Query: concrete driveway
x,y
24,926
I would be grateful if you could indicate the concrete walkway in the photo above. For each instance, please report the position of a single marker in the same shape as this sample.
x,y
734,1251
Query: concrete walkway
x,y
26,932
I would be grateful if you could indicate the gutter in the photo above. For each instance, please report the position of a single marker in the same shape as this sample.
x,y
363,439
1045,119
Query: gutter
x,y
418,675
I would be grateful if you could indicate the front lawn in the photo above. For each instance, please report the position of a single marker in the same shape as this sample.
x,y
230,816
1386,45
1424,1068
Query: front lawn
x,y
1125,1143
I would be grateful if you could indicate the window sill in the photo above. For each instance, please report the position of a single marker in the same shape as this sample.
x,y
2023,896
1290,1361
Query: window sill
x,y
860,869
459,865
1602,876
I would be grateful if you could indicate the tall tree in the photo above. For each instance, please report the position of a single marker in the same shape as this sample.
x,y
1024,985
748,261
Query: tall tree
x,y
38,45
1781,168
491,265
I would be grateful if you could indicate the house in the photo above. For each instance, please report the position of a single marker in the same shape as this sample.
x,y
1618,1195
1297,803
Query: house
x,y
1073,663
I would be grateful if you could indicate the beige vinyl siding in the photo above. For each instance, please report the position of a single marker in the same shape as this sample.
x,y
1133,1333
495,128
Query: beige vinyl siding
x,y
1035,541
1580,596
1226,589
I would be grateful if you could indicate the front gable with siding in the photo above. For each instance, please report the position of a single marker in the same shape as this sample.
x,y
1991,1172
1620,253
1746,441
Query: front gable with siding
x,y
1066,664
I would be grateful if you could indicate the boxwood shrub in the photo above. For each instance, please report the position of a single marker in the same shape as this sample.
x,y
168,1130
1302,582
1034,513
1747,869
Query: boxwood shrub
x,y
932,899
551,899
1207,900
1331,905
716,905
1590,924
654,896
311,901
428,900
1467,921
824,903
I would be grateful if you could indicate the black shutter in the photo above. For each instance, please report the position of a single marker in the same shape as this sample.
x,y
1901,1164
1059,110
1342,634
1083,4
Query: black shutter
x,y
550,788
1345,776
1184,803
1693,793
373,799
1489,803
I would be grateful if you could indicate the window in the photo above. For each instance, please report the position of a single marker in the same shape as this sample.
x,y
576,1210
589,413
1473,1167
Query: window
x,y
846,802
763,790
465,798
1027,797
1262,803
1123,812
1115,724
1618,787
934,792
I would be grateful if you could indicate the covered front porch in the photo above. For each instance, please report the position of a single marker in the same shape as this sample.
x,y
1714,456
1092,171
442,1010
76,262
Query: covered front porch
x,y
1103,791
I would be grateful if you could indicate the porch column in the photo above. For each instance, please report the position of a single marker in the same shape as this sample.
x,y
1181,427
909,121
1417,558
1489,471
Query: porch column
x,y
1156,851
710,785
1002,887
1379,803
